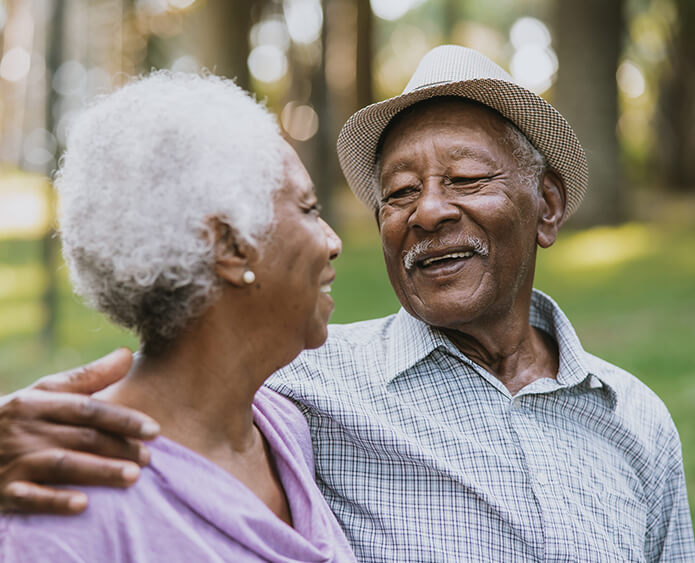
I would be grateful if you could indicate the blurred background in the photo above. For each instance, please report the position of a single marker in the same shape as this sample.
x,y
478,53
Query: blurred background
x,y
621,71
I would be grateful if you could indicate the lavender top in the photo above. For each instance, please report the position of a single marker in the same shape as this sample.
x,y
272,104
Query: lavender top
x,y
185,508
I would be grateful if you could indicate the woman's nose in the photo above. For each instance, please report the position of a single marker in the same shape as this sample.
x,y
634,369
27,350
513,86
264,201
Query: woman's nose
x,y
335,245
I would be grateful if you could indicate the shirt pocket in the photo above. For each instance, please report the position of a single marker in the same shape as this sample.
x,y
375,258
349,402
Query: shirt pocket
x,y
625,518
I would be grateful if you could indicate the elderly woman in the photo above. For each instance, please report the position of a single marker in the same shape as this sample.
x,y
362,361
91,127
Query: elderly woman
x,y
187,218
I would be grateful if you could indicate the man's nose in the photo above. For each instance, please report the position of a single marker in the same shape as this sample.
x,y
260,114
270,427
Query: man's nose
x,y
434,207
335,245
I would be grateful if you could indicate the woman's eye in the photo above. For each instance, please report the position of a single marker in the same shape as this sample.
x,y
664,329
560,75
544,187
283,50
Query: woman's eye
x,y
314,209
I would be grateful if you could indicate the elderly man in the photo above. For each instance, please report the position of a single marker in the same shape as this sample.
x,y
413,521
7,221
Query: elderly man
x,y
471,425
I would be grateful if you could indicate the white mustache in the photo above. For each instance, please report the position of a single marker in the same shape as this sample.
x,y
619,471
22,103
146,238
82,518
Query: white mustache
x,y
419,250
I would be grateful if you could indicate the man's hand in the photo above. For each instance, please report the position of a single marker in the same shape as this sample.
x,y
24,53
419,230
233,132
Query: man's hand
x,y
54,432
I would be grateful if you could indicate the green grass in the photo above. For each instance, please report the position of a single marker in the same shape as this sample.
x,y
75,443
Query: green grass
x,y
630,292
635,309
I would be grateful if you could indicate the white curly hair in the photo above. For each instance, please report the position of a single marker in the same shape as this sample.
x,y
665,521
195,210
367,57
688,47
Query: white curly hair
x,y
145,169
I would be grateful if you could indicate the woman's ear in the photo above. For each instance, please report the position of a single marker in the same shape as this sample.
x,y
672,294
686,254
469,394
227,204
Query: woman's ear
x,y
232,253
552,208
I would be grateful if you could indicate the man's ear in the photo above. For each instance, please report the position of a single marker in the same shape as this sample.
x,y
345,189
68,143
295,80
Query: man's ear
x,y
232,253
552,208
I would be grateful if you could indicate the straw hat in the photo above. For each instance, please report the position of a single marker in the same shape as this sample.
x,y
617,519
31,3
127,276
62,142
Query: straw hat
x,y
451,70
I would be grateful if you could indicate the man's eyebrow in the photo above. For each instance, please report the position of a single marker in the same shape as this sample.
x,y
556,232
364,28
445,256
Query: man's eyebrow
x,y
397,166
461,152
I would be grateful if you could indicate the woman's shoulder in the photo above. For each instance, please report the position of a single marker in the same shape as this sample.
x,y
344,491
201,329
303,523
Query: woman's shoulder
x,y
287,422
279,408
165,515
96,534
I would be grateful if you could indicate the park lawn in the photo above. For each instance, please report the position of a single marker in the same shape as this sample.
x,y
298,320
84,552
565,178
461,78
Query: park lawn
x,y
629,291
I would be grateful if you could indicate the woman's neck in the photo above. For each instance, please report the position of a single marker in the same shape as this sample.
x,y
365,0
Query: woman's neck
x,y
201,391
201,388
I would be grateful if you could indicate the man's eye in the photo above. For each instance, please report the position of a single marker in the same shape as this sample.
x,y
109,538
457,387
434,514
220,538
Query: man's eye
x,y
399,193
461,180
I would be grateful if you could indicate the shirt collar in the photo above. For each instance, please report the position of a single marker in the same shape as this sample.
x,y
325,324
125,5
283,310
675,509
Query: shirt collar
x,y
411,340
575,366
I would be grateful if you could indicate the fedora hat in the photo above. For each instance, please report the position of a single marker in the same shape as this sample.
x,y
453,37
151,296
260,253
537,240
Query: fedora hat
x,y
452,70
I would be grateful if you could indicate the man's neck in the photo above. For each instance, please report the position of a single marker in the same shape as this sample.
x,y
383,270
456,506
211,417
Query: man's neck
x,y
513,351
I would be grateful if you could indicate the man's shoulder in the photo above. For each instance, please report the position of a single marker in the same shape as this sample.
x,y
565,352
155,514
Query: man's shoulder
x,y
346,342
622,381
352,352
359,333
635,401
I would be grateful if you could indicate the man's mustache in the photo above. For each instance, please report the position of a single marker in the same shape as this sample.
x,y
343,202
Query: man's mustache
x,y
420,250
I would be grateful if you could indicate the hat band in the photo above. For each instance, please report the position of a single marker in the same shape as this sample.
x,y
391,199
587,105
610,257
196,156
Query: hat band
x,y
431,84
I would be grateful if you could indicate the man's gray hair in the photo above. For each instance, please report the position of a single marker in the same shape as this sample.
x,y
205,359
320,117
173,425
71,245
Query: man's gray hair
x,y
145,170
531,163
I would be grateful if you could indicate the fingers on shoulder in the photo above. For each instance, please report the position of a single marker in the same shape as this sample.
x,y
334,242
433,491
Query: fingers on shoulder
x,y
90,378
25,497
76,409
55,465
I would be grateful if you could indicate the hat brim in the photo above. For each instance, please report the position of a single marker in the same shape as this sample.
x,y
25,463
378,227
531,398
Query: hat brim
x,y
542,124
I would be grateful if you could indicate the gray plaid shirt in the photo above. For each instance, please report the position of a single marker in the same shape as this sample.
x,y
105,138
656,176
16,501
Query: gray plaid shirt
x,y
424,456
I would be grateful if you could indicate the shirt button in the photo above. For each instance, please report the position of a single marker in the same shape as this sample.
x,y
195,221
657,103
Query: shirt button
x,y
542,478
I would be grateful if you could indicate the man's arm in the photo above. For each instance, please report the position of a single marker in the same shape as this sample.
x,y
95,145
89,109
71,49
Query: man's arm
x,y
669,529
54,432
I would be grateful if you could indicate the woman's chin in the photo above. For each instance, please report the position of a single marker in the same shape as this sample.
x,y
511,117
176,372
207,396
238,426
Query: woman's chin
x,y
318,336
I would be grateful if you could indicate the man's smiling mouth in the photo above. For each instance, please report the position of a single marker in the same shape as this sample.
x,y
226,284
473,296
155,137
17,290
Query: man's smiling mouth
x,y
448,256
438,251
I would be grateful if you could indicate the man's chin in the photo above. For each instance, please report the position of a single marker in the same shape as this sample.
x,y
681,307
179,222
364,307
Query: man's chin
x,y
447,309
451,315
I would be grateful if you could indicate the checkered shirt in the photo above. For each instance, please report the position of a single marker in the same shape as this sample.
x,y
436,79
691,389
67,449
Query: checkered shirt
x,y
424,456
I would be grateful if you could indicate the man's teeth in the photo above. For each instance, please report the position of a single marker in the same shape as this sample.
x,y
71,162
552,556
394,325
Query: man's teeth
x,y
451,256
326,288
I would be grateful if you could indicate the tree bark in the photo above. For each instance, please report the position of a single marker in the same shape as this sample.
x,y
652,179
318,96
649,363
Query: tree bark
x,y
676,111
222,35
49,250
449,19
324,169
589,40
365,94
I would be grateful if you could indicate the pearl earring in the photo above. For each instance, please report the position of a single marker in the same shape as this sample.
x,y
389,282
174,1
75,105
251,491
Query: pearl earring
x,y
249,277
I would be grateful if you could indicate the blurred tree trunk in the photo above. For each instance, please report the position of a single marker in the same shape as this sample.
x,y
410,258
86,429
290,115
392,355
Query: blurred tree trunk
x,y
49,244
13,94
223,37
589,40
324,168
675,149
450,17
365,94
340,83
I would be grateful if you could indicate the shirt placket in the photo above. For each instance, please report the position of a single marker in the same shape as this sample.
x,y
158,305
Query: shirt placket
x,y
544,479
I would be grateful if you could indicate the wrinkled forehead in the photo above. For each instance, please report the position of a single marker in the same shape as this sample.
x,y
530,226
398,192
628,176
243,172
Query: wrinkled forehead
x,y
446,110
296,179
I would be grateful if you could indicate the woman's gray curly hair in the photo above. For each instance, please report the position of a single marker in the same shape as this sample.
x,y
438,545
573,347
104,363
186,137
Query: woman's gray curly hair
x,y
145,170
